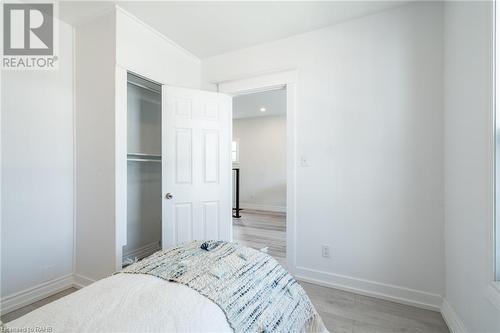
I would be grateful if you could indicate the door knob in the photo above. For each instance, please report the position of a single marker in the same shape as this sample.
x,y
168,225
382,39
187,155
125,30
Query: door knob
x,y
169,196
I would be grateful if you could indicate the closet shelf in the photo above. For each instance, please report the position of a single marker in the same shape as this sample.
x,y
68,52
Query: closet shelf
x,y
142,157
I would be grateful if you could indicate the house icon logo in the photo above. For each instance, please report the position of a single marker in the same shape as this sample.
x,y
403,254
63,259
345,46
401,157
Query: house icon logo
x,y
28,29
28,36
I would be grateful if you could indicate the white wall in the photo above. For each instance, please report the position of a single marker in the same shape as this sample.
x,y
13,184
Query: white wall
x,y
369,121
95,147
144,51
262,162
37,173
468,164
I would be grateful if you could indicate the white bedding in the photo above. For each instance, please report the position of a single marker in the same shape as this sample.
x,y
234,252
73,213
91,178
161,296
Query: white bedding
x,y
128,303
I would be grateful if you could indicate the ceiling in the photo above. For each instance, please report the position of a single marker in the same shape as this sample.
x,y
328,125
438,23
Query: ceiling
x,y
249,105
210,28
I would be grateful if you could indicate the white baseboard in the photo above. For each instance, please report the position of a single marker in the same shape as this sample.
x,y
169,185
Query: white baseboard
x,y
36,293
493,293
142,252
269,208
80,281
41,291
451,318
388,292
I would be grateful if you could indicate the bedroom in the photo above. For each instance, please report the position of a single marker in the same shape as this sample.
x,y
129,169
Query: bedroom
x,y
390,145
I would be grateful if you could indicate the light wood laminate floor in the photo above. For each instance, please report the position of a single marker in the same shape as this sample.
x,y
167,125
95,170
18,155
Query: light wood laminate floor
x,y
341,311
259,229
28,308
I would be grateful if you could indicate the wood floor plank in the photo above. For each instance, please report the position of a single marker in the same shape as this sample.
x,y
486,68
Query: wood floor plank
x,y
259,229
17,313
368,314
13,315
54,297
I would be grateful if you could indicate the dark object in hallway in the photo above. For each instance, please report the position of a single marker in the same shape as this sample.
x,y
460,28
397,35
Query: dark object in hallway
x,y
237,209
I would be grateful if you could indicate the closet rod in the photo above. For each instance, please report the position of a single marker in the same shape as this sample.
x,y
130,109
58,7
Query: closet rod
x,y
144,154
144,87
142,160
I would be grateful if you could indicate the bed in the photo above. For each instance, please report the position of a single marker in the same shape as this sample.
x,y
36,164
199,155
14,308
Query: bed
x,y
197,287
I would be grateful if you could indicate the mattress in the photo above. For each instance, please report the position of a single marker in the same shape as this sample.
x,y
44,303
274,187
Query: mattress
x,y
127,303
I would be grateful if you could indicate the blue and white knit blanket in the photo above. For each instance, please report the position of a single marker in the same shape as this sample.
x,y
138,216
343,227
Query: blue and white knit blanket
x,y
254,291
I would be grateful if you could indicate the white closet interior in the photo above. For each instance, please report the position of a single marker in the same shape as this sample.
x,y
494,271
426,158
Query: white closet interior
x,y
144,169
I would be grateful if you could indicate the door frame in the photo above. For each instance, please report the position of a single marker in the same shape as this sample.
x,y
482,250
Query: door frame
x,y
271,81
121,112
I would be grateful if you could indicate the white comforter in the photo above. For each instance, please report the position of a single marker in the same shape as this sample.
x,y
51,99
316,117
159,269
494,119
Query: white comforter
x,y
128,303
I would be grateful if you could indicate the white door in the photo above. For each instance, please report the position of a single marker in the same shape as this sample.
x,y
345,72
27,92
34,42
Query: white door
x,y
196,155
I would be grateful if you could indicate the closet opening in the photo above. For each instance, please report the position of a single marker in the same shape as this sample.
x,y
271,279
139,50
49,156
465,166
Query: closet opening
x,y
144,169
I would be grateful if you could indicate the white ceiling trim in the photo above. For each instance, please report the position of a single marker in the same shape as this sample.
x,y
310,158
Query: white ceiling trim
x,y
257,82
156,32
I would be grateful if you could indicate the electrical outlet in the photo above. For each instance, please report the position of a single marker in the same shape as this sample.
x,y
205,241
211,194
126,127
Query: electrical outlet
x,y
325,251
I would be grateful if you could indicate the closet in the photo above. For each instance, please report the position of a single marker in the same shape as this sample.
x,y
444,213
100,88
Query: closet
x,y
153,170
144,169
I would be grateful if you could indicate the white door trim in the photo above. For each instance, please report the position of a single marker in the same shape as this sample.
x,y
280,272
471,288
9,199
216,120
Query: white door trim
x,y
120,164
270,81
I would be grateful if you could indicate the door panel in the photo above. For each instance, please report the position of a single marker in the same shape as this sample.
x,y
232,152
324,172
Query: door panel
x,y
196,155
211,156
183,217
211,218
211,110
183,108
183,156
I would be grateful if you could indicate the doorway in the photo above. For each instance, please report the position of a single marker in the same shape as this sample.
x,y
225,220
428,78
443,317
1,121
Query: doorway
x,y
259,157
269,81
